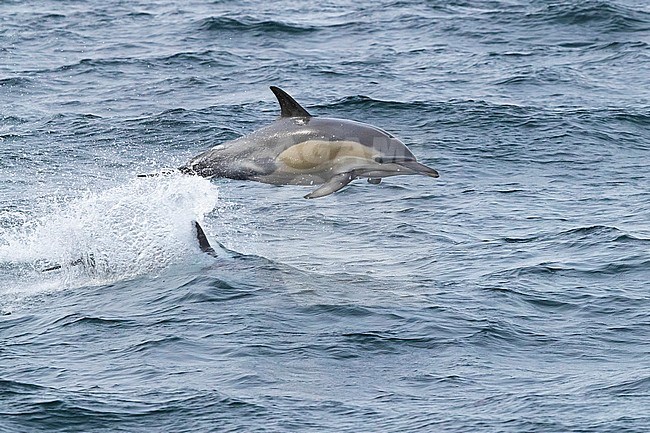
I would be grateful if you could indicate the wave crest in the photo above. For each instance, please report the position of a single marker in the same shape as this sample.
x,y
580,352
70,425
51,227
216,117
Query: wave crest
x,y
247,23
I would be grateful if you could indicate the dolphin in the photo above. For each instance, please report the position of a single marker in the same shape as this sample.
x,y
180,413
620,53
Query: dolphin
x,y
301,149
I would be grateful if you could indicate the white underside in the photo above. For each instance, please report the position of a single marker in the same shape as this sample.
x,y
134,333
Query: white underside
x,y
363,168
315,162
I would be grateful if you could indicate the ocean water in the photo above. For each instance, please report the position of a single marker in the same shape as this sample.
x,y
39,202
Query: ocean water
x,y
512,294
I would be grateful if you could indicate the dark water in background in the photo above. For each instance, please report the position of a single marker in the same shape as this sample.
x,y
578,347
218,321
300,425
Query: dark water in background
x,y
512,294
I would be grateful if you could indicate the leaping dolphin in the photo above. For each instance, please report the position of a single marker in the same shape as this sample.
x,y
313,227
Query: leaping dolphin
x,y
300,149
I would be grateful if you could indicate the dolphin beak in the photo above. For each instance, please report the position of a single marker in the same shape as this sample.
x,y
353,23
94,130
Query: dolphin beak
x,y
419,168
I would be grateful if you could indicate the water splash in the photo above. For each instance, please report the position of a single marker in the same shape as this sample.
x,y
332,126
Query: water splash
x,y
137,228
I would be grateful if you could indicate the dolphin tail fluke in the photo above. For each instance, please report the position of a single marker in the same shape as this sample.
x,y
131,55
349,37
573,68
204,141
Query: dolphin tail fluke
x,y
203,240
334,184
419,168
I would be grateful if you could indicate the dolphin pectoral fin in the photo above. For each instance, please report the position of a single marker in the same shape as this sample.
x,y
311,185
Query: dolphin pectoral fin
x,y
419,168
203,240
334,184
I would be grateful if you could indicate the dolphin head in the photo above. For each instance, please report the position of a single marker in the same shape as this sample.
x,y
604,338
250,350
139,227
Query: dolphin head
x,y
391,153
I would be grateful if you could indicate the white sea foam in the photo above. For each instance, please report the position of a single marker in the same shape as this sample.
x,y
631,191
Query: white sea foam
x,y
137,228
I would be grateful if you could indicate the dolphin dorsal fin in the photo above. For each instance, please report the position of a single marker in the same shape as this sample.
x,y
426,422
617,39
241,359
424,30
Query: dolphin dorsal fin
x,y
203,240
288,106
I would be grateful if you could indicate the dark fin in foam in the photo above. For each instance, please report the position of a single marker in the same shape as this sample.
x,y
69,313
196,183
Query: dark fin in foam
x,y
88,261
163,172
334,184
203,240
288,106
51,268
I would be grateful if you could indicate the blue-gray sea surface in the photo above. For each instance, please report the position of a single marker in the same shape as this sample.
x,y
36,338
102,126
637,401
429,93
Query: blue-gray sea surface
x,y
512,294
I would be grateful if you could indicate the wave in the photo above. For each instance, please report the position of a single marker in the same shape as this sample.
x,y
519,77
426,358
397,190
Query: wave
x,y
90,65
618,48
589,252
205,58
552,269
590,231
378,342
252,24
543,76
627,265
86,321
34,408
368,102
503,334
604,14
15,82
639,387
636,117
8,387
593,234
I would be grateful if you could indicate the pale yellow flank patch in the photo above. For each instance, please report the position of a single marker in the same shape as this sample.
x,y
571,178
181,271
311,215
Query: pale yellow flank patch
x,y
314,153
